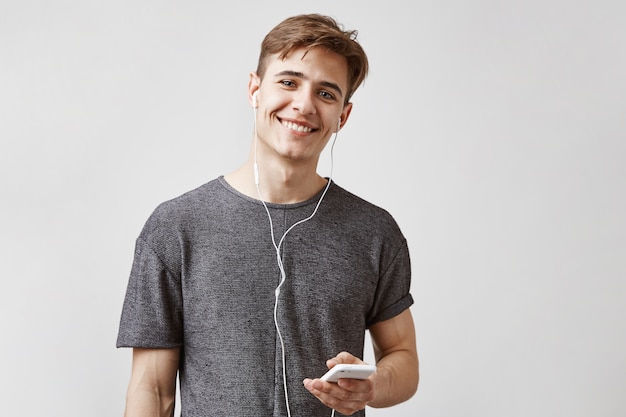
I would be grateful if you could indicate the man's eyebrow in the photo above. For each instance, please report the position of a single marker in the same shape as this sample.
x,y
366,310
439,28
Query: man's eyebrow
x,y
301,75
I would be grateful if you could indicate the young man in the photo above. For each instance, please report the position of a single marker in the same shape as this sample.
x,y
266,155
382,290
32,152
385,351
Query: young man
x,y
256,283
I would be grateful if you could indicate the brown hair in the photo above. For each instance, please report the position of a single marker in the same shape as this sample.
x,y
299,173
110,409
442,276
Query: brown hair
x,y
315,30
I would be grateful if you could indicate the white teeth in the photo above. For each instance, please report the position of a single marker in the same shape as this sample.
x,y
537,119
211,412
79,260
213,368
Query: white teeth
x,y
296,127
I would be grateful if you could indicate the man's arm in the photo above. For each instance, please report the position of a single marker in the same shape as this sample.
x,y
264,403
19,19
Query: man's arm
x,y
395,349
397,370
152,388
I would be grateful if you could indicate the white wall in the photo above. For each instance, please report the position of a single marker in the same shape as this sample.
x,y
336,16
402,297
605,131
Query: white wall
x,y
493,131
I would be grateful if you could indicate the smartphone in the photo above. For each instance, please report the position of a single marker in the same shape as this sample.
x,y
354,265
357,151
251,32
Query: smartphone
x,y
344,370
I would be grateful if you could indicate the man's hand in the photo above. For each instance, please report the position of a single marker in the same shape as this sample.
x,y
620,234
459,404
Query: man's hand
x,y
347,395
397,370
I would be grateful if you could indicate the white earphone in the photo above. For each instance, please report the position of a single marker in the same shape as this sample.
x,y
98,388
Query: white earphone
x,y
255,102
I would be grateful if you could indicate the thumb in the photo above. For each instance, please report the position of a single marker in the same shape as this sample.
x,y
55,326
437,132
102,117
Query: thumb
x,y
343,357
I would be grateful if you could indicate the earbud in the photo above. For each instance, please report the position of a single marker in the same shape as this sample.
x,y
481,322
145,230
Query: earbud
x,y
255,102
339,125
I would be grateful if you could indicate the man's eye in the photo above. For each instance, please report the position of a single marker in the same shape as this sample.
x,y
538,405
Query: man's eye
x,y
327,95
288,83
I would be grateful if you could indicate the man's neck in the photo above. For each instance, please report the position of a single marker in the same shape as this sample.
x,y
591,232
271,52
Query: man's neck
x,y
278,184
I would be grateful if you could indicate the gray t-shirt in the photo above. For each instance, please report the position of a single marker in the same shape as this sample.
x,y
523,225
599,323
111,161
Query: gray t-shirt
x,y
204,278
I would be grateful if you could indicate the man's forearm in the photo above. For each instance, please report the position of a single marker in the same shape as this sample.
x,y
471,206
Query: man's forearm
x,y
152,387
149,403
396,380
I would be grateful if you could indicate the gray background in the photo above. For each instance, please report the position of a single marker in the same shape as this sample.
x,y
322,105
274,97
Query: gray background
x,y
493,131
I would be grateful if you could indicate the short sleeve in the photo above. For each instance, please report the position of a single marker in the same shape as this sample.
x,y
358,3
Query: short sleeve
x,y
152,311
392,293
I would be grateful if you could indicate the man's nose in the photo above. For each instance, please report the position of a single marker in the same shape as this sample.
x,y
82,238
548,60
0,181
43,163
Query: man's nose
x,y
304,101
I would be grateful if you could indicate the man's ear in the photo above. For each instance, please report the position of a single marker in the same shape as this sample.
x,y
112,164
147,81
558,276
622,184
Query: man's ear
x,y
254,83
343,118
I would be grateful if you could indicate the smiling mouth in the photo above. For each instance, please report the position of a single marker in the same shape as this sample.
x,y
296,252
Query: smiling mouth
x,y
296,127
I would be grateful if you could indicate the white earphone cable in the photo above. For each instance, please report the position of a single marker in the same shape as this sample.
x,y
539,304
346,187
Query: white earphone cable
x,y
277,247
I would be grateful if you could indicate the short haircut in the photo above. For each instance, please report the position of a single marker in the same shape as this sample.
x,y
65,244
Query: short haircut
x,y
314,30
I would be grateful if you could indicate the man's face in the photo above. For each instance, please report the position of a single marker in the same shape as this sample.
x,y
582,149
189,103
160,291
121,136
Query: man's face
x,y
300,101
